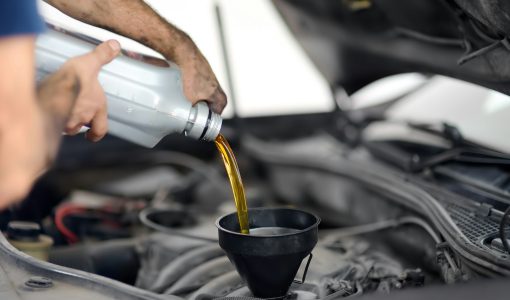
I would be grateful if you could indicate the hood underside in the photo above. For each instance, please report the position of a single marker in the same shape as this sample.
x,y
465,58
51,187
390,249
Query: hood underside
x,y
354,42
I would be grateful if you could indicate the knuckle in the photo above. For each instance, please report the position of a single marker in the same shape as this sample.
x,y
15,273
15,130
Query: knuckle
x,y
103,123
70,126
222,98
102,132
73,132
72,129
95,135
99,137
101,129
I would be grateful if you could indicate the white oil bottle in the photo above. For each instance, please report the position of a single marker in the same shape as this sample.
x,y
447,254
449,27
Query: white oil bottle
x,y
145,100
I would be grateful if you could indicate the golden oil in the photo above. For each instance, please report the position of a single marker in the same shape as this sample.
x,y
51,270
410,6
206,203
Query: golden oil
x,y
235,181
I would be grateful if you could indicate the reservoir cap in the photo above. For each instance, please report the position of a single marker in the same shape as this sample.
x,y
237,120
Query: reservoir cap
x,y
23,231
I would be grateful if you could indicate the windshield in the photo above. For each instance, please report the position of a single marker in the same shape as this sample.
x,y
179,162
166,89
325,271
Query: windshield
x,y
482,115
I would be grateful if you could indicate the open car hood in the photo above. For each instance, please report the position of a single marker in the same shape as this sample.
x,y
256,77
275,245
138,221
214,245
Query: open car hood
x,y
354,42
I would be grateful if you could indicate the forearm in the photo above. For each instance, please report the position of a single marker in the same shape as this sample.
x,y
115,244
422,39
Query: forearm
x,y
131,18
31,121
54,97
17,84
138,21
18,94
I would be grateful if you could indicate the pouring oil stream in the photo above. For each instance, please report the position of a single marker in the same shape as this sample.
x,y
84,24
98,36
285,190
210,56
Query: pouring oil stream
x,y
235,181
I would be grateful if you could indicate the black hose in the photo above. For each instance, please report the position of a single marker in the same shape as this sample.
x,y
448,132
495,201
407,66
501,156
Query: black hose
x,y
144,219
429,38
502,233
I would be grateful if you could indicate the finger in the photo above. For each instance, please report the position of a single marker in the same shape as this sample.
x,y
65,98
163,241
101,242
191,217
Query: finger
x,y
99,125
77,121
73,129
80,116
105,52
218,101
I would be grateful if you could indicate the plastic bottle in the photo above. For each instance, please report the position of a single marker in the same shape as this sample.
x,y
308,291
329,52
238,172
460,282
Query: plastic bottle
x,y
145,101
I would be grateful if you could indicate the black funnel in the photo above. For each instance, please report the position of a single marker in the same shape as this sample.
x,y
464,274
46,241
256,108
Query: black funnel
x,y
269,258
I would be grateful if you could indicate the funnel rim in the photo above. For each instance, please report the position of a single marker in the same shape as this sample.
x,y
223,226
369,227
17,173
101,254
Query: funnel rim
x,y
311,227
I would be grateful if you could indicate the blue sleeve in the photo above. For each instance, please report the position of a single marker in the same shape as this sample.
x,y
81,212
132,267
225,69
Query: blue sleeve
x,y
19,17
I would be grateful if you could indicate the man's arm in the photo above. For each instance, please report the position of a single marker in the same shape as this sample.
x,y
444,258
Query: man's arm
x,y
29,129
138,21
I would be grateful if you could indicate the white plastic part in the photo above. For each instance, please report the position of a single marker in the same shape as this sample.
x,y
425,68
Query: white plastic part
x,y
145,101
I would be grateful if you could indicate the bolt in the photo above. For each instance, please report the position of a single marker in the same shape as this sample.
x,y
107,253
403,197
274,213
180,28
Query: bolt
x,y
38,282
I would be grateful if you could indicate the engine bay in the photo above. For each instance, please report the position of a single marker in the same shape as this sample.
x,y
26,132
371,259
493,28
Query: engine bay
x,y
147,219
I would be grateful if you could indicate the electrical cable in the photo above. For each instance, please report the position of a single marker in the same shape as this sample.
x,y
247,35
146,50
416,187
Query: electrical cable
x,y
61,213
483,50
156,158
69,209
502,233
429,38
382,225
392,223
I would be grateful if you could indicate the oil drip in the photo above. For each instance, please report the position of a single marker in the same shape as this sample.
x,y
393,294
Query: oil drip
x,y
235,181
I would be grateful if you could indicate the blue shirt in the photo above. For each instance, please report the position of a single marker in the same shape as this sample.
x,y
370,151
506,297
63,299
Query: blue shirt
x,y
19,17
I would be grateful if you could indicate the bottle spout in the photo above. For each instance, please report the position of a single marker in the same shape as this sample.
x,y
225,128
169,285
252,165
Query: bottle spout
x,y
212,131
203,123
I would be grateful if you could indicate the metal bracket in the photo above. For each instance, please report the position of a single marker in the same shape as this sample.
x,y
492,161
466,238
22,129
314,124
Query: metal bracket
x,y
310,256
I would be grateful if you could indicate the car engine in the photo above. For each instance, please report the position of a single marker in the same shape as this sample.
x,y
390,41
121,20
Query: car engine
x,y
146,218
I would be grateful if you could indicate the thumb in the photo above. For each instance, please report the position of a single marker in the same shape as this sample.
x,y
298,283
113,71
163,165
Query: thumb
x,y
106,52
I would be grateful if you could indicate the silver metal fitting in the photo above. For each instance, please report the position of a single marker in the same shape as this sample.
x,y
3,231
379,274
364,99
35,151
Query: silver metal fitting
x,y
203,123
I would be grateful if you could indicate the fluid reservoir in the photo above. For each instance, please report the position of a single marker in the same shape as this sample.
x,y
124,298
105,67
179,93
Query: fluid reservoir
x,y
27,238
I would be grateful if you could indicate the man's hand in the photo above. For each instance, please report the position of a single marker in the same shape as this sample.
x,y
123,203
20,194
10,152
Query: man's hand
x,y
90,106
199,81
138,21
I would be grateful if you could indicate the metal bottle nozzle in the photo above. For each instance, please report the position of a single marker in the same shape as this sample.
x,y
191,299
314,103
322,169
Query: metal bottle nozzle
x,y
203,123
